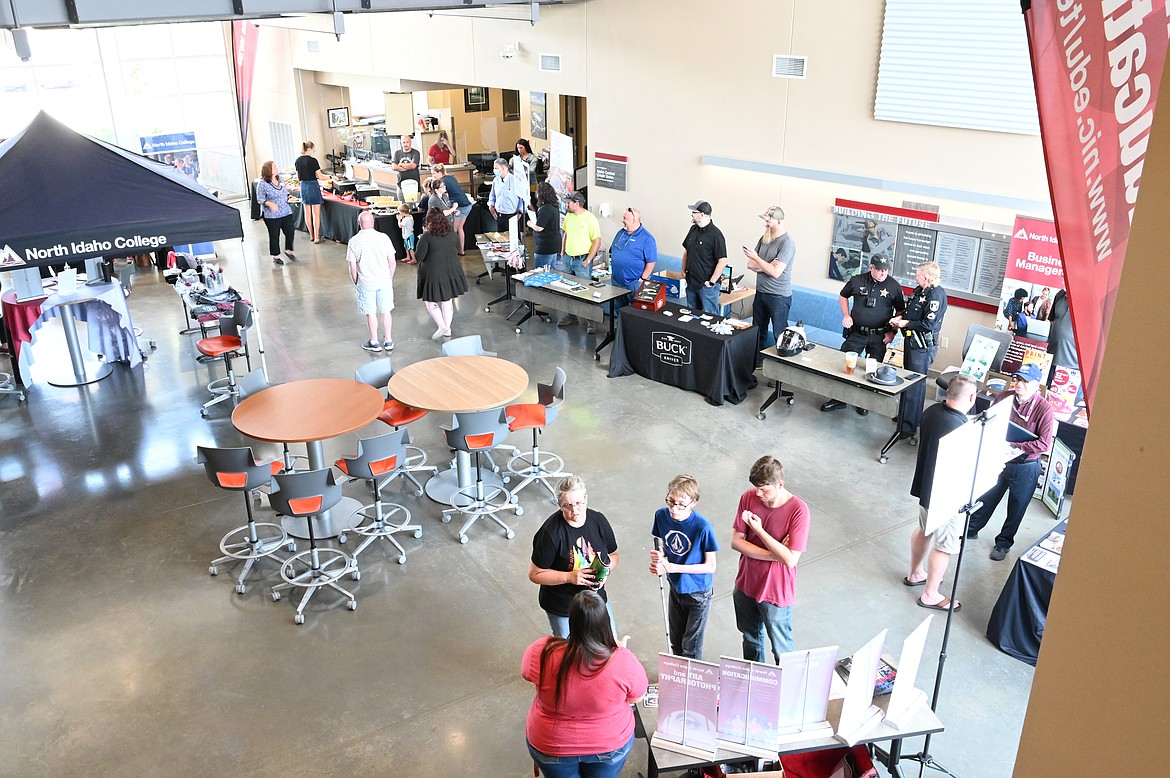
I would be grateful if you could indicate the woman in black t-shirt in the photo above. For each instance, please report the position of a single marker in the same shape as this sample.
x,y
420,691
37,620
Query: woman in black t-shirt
x,y
546,243
310,175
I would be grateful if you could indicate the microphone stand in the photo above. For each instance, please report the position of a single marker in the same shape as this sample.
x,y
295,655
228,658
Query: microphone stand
x,y
923,757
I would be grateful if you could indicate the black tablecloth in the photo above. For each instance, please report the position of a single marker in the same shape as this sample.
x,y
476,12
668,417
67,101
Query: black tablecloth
x,y
339,221
686,355
1017,622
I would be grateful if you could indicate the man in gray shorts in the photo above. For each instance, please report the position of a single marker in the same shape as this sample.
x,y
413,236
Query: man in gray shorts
x,y
927,571
371,268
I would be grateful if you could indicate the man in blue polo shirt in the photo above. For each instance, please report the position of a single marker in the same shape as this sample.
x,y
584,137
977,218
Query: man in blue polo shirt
x,y
632,254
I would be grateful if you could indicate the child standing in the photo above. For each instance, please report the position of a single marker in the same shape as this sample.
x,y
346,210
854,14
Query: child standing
x,y
406,224
688,560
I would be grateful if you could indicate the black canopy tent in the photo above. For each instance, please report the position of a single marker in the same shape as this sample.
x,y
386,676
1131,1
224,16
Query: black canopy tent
x,y
68,197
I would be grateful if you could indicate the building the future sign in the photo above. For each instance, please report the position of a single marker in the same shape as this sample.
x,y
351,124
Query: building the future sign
x,y
1097,66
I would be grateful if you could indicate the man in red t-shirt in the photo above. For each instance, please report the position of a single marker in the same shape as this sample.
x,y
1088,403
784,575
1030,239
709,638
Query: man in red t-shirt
x,y
770,532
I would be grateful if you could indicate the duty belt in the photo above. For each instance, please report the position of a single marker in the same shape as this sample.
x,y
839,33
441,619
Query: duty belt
x,y
868,330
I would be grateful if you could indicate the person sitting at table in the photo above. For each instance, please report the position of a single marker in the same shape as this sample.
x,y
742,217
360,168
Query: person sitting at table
x,y
277,213
876,298
921,326
632,255
458,197
440,274
564,550
931,553
580,722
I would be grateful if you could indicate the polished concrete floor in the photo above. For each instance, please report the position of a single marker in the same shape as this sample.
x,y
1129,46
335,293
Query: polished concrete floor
x,y
122,657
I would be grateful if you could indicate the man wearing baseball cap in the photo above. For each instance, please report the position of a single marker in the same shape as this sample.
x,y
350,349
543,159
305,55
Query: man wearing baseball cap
x,y
703,258
1018,479
876,298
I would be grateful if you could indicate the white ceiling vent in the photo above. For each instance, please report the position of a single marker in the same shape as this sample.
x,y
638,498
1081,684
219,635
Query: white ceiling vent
x,y
314,47
550,63
787,66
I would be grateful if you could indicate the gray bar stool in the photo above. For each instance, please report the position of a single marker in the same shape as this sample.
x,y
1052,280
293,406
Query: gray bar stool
x,y
304,494
537,466
382,457
477,433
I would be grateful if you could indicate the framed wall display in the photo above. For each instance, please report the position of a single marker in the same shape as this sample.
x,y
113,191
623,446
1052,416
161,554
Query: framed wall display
x,y
338,117
511,104
536,105
475,99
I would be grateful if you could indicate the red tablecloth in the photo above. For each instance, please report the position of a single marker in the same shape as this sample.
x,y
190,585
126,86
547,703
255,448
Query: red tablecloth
x,y
19,317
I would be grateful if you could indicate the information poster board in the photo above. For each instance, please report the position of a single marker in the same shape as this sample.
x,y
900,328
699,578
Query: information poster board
x,y
1059,465
176,149
1034,265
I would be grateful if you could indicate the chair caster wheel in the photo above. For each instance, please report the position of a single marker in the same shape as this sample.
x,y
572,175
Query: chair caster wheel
x,y
517,330
883,460
913,442
446,519
515,498
342,538
203,412
352,605
487,309
356,575
792,401
510,535
241,588
761,416
418,492
276,596
519,511
299,618
292,546
402,559
463,539
213,570
418,533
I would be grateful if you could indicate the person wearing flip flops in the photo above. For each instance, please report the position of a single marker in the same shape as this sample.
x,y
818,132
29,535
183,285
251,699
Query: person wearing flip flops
x,y
930,554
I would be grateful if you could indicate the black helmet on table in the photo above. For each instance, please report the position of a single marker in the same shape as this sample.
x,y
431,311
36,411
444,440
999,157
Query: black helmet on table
x,y
792,341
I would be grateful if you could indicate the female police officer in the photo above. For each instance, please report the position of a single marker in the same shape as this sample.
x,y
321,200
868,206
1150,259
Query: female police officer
x,y
921,325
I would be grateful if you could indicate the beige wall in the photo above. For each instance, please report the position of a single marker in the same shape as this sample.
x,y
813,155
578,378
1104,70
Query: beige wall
x,y
652,99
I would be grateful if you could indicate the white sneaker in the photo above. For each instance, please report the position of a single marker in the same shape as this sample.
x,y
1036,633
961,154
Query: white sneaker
x,y
388,345
370,345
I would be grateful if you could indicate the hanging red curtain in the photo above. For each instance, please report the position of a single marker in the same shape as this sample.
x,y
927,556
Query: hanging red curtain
x,y
244,38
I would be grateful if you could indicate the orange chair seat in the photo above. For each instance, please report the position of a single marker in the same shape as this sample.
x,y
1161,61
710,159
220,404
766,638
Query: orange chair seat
x,y
397,414
219,345
525,416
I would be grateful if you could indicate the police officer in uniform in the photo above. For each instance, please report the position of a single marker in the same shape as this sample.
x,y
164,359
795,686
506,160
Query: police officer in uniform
x,y
876,298
921,325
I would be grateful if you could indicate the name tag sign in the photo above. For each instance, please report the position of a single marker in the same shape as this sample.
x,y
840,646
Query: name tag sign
x,y
671,349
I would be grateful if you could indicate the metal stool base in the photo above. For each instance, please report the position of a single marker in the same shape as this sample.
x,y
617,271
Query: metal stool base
x,y
383,528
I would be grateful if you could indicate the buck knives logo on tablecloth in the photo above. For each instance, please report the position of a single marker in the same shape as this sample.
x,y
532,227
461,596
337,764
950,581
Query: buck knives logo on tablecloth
x,y
671,349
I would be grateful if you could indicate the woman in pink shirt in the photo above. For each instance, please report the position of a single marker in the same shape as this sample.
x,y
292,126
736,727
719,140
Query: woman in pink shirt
x,y
580,723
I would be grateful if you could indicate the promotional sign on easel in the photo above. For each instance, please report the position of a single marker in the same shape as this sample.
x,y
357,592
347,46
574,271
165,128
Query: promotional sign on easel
x,y
688,706
906,699
858,713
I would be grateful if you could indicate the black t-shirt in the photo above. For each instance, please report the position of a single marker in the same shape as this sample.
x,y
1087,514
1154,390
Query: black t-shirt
x,y
548,239
705,247
307,167
559,546
937,421
886,296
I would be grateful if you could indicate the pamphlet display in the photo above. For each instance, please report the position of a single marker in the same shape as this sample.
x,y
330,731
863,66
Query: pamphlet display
x,y
688,704
977,361
858,713
906,699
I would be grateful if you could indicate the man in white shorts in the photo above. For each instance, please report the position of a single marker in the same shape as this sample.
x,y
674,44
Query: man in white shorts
x,y
927,564
371,267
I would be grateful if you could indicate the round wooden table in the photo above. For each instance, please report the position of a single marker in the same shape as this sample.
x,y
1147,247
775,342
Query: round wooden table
x,y
308,412
458,385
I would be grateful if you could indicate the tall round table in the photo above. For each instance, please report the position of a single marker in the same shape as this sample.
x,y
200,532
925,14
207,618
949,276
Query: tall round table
x,y
458,385
308,412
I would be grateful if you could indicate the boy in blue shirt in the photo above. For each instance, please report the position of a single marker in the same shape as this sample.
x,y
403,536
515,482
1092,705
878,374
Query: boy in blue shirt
x,y
688,560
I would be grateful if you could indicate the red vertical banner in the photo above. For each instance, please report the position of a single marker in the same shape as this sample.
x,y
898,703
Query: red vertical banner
x,y
244,38
1097,68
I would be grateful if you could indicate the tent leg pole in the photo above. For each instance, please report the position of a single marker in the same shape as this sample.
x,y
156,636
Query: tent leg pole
x,y
255,309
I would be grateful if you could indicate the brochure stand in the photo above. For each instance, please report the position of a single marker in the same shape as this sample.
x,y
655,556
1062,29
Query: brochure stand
x,y
688,706
906,698
804,695
858,713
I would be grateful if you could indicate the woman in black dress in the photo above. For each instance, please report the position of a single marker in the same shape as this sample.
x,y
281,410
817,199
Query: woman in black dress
x,y
440,274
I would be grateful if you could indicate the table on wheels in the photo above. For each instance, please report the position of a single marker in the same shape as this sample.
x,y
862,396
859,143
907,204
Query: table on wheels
x,y
822,371
458,385
309,412
656,345
588,303
662,760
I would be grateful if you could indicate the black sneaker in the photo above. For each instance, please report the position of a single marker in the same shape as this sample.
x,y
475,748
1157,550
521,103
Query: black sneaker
x,y
370,345
832,405
998,554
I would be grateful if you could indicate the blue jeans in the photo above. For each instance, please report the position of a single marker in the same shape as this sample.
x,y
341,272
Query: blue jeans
x,y
545,260
769,309
688,622
754,619
622,302
575,266
1018,480
604,765
703,298
560,624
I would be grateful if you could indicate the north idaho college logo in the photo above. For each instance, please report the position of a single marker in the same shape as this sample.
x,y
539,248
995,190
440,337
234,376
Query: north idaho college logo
x,y
671,349
9,258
